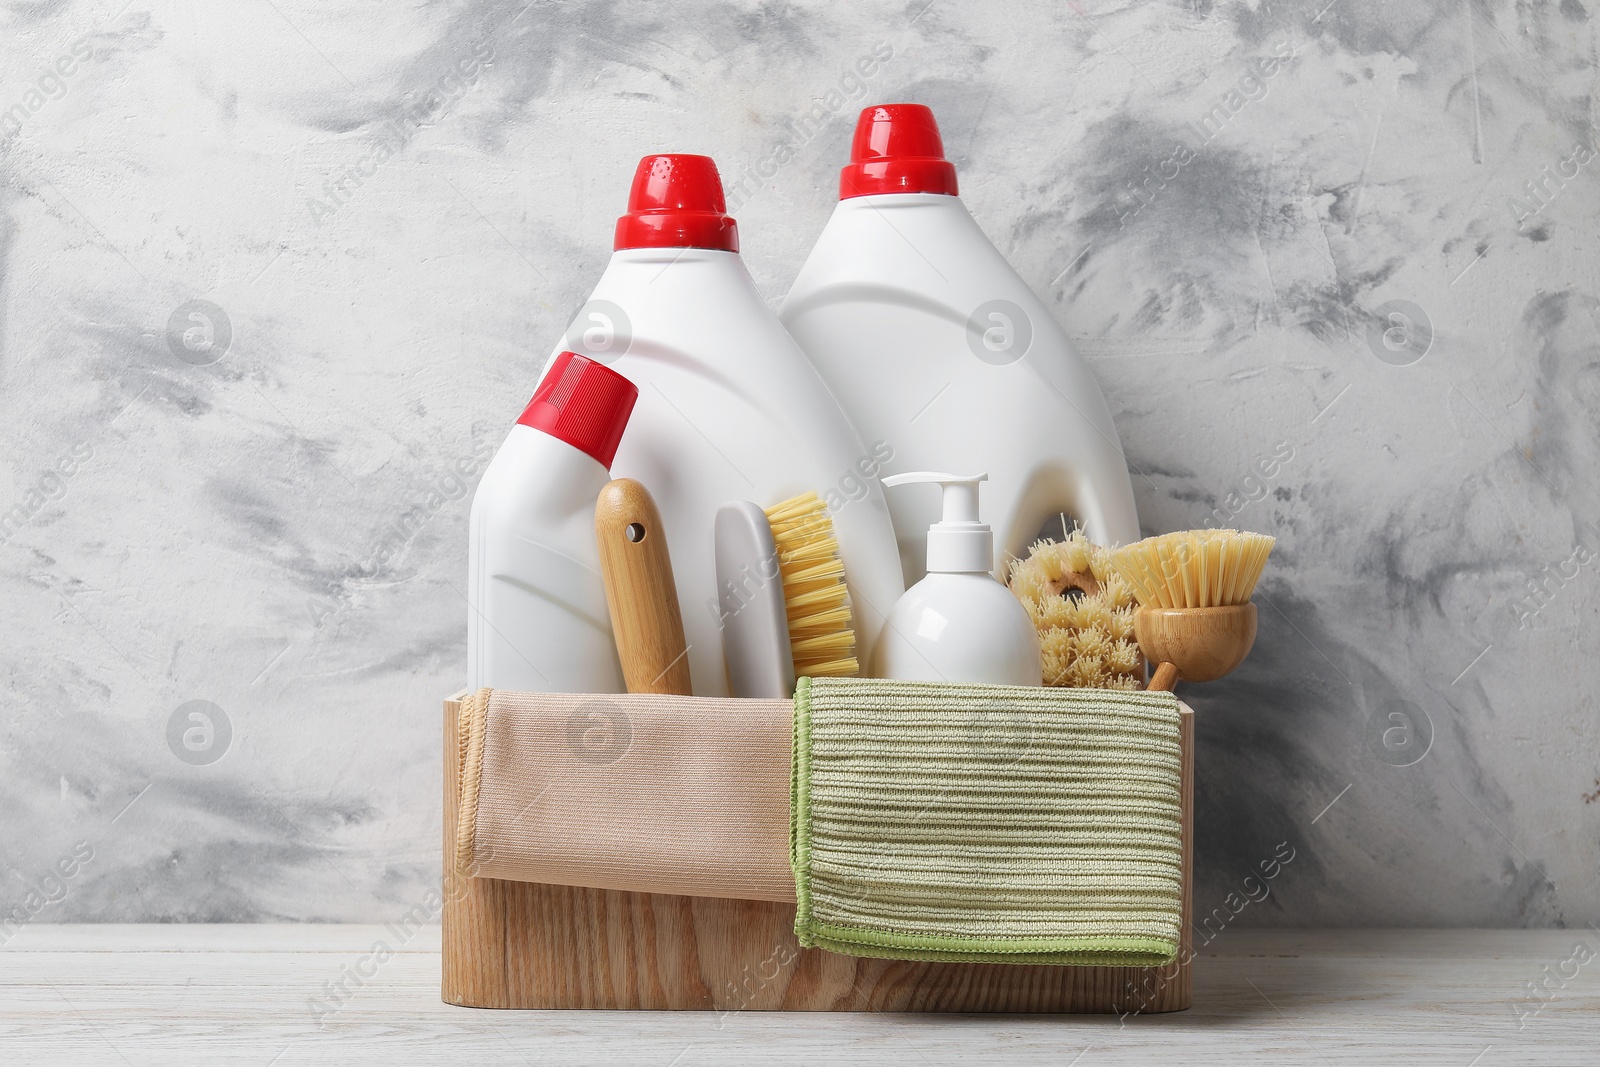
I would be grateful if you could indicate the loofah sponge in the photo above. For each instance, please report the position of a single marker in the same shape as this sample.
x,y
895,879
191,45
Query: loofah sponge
x,y
1084,611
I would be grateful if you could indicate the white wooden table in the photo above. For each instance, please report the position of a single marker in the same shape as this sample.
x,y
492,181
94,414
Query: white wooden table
x,y
164,995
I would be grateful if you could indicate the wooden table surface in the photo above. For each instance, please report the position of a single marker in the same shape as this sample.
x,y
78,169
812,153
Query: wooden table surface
x,y
267,995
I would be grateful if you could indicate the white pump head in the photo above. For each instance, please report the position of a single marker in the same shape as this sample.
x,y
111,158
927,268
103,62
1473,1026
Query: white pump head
x,y
958,543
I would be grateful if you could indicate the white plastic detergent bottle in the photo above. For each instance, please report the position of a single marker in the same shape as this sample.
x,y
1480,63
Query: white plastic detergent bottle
x,y
935,345
536,605
729,407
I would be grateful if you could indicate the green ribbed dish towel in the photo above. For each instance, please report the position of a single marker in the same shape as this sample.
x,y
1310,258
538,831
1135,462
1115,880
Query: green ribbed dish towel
x,y
979,823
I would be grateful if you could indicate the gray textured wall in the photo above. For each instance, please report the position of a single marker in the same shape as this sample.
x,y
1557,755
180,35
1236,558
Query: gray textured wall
x,y
226,532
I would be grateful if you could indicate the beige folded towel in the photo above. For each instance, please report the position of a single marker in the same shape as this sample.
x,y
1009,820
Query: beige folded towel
x,y
682,795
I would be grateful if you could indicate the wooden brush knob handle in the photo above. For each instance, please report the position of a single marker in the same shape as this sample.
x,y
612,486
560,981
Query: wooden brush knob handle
x,y
1164,680
640,592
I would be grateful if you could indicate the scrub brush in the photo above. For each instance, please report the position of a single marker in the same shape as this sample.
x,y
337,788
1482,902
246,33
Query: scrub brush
x,y
1084,613
640,592
755,623
1195,618
822,635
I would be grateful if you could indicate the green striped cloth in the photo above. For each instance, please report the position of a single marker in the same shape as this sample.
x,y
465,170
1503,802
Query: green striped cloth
x,y
979,823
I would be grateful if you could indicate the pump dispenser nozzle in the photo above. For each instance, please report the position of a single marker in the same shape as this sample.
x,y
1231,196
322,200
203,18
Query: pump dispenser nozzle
x,y
958,543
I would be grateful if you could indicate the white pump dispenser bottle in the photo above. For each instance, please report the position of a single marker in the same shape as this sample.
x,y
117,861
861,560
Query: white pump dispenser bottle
x,y
959,624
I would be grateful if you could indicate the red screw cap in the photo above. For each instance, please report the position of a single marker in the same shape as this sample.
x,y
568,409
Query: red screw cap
x,y
676,202
584,404
897,149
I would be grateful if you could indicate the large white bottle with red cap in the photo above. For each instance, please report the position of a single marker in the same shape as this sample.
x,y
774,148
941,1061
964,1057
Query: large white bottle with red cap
x,y
935,345
729,407
536,605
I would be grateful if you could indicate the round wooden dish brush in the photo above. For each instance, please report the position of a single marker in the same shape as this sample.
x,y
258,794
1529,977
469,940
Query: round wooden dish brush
x,y
1195,619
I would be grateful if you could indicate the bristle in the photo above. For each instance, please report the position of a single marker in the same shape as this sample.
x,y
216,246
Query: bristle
x,y
1047,561
1194,568
802,602
1056,642
1027,584
1123,657
810,623
1075,552
1115,587
1120,624
825,646
822,635
1091,642
1053,612
1093,613
1086,638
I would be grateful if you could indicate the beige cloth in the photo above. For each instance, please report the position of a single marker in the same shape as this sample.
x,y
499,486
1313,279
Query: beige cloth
x,y
652,794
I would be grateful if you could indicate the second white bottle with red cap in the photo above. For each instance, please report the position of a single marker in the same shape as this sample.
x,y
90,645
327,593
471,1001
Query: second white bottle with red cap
x,y
536,604
729,407
934,344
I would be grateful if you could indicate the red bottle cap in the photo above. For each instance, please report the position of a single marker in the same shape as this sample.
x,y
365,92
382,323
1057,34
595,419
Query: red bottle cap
x,y
584,404
676,202
897,149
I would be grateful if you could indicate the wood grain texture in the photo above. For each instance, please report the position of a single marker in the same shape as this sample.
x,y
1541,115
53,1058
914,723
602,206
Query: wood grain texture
x,y
524,945
1202,643
172,993
640,591
1164,679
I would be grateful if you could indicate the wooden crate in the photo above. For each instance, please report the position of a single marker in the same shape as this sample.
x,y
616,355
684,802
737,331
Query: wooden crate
x,y
525,945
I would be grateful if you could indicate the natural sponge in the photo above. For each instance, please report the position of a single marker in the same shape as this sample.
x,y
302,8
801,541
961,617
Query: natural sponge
x,y
1084,612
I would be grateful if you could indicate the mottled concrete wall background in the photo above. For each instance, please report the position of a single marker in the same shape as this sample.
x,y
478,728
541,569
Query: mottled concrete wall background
x,y
1349,297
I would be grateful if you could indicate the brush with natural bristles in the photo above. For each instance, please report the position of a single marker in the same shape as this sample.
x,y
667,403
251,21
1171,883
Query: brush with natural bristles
x,y
821,627
1083,611
1195,618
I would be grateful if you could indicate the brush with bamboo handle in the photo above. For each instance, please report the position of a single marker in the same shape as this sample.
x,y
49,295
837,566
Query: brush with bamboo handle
x,y
640,592
1195,620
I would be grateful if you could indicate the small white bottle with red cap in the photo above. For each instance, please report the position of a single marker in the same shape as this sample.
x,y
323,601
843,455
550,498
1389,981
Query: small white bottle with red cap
x,y
536,604
933,343
729,407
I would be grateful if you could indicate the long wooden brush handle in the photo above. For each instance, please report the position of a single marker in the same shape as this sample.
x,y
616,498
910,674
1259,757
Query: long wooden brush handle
x,y
639,590
1164,680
